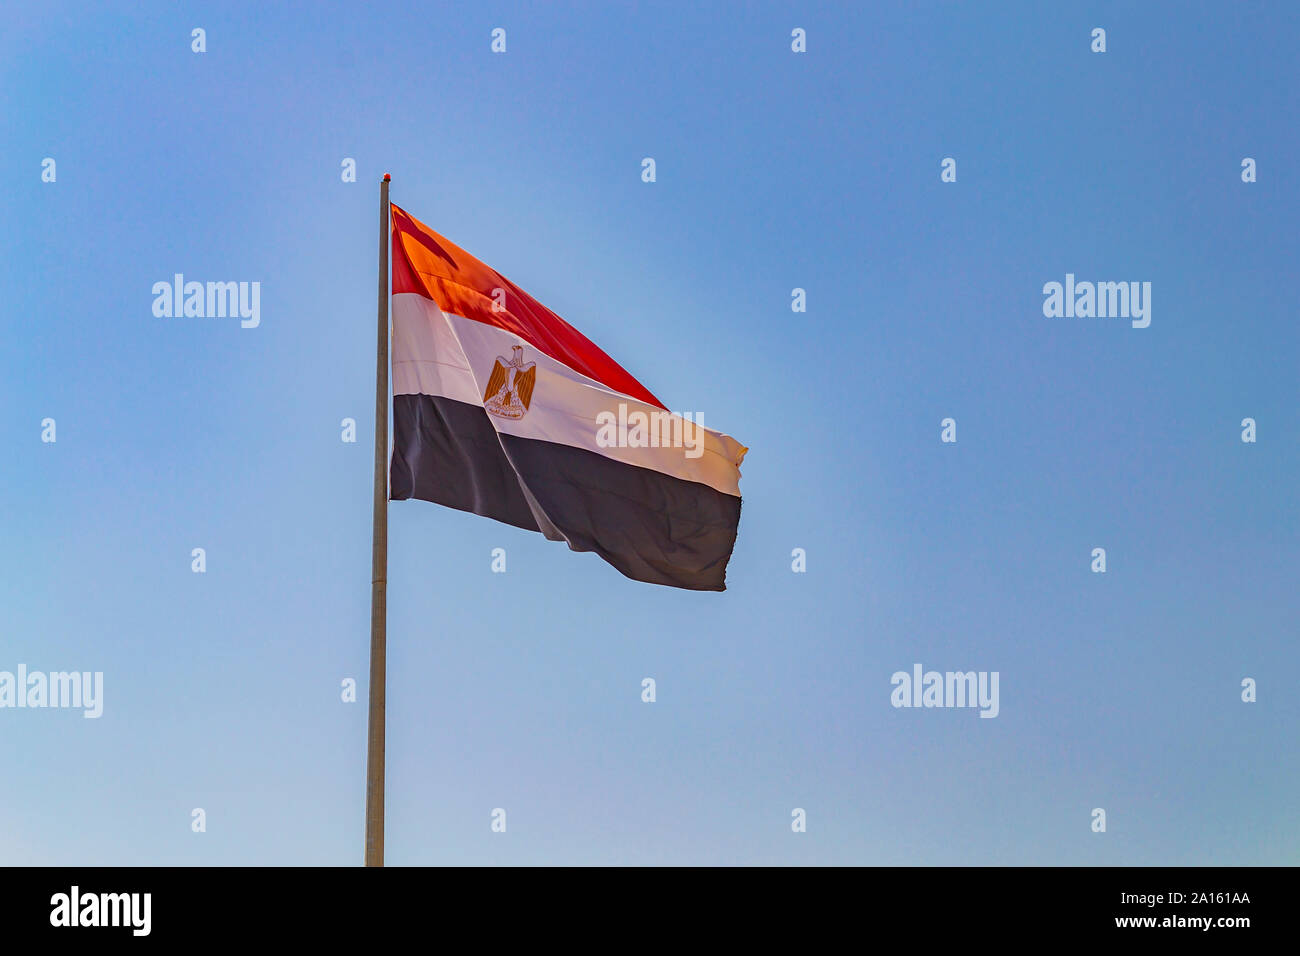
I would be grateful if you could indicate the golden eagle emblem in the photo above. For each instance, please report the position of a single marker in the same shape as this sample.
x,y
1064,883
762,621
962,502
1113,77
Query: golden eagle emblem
x,y
510,386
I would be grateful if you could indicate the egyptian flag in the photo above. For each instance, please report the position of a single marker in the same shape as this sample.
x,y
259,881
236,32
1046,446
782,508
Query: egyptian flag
x,y
502,408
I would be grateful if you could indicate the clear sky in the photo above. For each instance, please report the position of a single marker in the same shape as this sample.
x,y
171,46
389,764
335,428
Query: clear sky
x,y
775,170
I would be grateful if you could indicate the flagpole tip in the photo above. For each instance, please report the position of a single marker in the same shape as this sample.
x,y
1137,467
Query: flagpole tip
x,y
387,178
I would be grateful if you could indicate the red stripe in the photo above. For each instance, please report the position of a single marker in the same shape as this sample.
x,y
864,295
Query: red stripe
x,y
426,263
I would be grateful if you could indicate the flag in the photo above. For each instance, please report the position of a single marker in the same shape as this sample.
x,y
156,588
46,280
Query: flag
x,y
503,409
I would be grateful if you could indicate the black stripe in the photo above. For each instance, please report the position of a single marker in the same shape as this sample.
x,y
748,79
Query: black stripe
x,y
650,526
447,452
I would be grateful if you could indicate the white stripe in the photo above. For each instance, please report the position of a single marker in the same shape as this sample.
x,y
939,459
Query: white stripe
x,y
427,359
451,356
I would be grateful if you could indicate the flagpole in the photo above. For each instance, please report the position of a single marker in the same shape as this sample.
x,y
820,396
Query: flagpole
x,y
379,564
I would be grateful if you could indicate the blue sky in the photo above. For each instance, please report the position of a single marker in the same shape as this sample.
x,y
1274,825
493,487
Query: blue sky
x,y
775,170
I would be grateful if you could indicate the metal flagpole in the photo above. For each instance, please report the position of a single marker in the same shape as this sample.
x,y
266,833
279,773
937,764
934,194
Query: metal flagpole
x,y
379,564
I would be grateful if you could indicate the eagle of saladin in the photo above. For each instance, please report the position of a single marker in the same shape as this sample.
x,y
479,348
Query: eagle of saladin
x,y
510,386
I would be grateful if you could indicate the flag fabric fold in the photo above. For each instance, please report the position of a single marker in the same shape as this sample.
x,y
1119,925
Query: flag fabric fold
x,y
503,409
